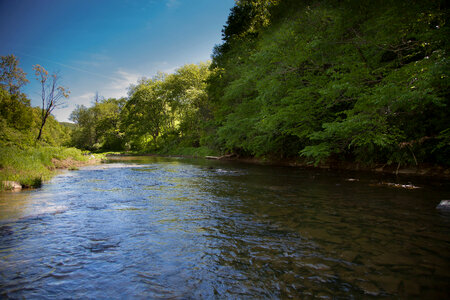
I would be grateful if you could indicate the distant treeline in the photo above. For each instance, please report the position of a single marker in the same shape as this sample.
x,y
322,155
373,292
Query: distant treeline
x,y
364,81
168,113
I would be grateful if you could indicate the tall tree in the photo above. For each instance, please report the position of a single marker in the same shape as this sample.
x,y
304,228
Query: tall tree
x,y
14,106
97,127
185,91
12,78
146,111
52,94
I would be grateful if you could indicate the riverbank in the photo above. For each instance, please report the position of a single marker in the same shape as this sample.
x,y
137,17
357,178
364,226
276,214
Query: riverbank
x,y
30,167
422,170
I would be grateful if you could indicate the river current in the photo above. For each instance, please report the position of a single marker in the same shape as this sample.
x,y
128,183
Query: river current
x,y
171,228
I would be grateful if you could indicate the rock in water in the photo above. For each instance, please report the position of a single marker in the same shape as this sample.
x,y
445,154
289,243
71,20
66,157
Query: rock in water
x,y
444,205
12,185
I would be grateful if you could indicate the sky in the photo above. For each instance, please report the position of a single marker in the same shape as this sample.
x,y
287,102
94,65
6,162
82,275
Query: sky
x,y
105,45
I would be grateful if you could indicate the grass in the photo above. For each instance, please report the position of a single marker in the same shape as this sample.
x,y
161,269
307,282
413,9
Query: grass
x,y
32,166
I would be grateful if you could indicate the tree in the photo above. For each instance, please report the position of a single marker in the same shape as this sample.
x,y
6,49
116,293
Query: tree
x,y
146,112
185,91
14,106
12,78
52,94
98,127
83,136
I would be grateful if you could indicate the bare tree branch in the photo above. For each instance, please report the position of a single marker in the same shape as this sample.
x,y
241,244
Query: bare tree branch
x,y
52,95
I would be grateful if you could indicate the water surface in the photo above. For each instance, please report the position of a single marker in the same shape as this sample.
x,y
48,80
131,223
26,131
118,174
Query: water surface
x,y
147,227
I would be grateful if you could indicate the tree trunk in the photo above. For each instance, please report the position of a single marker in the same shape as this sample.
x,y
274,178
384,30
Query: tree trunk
x,y
44,119
40,132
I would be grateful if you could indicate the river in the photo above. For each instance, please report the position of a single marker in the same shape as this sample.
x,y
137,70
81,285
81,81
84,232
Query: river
x,y
158,228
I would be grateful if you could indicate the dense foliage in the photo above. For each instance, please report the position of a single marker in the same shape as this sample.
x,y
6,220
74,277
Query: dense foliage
x,y
342,80
98,126
166,113
346,80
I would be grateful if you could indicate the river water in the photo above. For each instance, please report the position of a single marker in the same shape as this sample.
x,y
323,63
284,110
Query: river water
x,y
148,227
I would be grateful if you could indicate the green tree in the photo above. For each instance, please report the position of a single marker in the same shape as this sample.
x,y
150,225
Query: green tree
x,y
12,78
98,127
83,135
333,80
146,114
15,112
185,91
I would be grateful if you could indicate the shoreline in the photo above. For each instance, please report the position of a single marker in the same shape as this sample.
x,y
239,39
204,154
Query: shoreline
x,y
423,171
58,164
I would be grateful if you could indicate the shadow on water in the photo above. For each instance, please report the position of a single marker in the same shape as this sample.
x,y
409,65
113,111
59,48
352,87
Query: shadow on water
x,y
151,227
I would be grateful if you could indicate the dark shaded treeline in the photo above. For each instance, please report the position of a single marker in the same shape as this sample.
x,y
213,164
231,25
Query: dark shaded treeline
x,y
347,80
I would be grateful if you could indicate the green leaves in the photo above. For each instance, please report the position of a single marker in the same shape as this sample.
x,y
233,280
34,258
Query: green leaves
x,y
98,127
12,78
349,81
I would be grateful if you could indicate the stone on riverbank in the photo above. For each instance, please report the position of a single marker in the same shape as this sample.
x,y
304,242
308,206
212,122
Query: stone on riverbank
x,y
11,185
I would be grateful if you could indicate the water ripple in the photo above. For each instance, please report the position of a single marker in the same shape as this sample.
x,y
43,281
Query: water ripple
x,y
165,228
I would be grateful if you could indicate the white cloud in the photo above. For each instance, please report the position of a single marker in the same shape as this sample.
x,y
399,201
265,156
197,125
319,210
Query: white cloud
x,y
62,114
172,3
92,60
170,70
83,99
118,88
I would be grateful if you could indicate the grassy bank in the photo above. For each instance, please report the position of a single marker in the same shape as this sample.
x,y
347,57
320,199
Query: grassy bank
x,y
31,166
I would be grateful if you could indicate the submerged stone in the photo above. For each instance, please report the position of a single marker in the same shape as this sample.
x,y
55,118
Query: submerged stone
x,y
12,185
444,205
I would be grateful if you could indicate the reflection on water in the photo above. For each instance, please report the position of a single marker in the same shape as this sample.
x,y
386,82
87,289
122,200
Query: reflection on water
x,y
174,228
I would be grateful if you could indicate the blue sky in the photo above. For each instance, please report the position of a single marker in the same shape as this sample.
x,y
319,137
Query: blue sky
x,y
105,45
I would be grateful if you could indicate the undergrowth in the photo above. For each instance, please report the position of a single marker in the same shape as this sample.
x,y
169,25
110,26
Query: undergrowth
x,y
32,166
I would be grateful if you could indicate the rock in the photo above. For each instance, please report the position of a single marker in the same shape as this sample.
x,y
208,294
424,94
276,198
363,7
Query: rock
x,y
221,157
444,205
12,185
398,185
